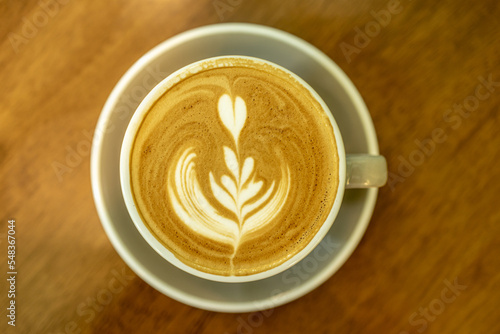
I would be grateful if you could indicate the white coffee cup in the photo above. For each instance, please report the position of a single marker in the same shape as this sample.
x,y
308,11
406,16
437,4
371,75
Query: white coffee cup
x,y
355,171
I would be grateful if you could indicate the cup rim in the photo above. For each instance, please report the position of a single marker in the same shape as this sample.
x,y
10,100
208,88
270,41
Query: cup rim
x,y
128,140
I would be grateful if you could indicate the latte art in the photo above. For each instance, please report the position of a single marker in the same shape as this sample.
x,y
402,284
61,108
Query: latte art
x,y
234,168
240,192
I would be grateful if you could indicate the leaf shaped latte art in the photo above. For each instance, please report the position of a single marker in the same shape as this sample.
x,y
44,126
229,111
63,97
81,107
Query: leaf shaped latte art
x,y
239,191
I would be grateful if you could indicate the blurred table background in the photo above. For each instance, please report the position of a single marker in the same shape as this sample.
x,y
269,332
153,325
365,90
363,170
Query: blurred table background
x,y
430,75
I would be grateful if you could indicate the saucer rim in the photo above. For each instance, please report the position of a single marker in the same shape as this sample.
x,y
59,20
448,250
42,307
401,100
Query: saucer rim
x,y
103,211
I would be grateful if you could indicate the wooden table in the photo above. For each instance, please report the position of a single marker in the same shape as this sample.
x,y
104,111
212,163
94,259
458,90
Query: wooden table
x,y
430,75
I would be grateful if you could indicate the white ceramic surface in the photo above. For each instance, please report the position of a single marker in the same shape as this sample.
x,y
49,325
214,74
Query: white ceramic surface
x,y
281,48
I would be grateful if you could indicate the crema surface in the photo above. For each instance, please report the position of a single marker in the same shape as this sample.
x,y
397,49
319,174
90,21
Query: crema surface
x,y
235,167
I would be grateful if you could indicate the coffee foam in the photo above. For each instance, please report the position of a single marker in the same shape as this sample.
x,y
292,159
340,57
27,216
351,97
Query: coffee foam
x,y
235,167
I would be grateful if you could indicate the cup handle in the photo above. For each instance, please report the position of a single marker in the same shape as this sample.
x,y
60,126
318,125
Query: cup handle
x,y
365,171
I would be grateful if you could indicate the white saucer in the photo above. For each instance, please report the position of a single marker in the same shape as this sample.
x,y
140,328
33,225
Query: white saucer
x,y
279,47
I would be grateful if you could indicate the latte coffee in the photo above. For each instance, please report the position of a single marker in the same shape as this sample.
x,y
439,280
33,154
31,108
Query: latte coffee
x,y
235,168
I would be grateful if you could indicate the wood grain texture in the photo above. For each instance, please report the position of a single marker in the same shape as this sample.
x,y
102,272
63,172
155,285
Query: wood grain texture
x,y
438,220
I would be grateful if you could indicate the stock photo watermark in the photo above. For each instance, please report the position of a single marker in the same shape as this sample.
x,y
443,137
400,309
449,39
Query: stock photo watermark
x,y
426,315
224,8
453,119
77,153
11,272
364,35
46,10
87,310
291,278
